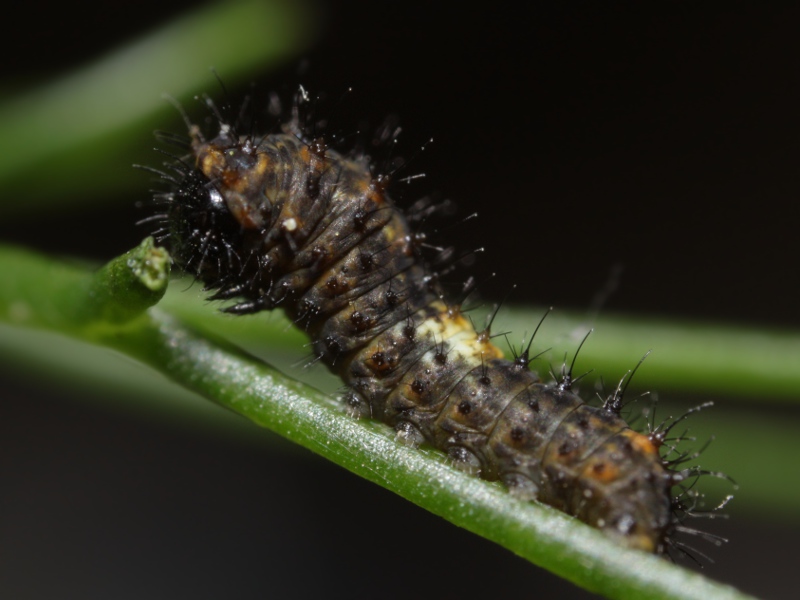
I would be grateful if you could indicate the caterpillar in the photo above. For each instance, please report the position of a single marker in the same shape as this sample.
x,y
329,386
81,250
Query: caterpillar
x,y
282,220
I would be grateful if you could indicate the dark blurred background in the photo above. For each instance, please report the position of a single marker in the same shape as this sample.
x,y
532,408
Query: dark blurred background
x,y
658,143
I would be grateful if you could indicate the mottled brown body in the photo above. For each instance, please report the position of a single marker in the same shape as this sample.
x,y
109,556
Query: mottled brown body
x,y
282,221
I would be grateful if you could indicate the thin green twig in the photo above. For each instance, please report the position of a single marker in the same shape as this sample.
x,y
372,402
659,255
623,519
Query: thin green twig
x,y
45,294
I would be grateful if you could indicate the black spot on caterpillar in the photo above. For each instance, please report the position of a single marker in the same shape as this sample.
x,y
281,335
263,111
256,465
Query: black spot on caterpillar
x,y
282,220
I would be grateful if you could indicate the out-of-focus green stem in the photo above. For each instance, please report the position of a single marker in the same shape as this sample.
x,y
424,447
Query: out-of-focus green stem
x,y
723,360
76,127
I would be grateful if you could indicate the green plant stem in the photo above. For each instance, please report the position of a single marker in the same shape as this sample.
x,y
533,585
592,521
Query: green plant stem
x,y
235,380
540,534
74,300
